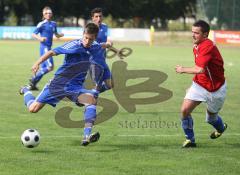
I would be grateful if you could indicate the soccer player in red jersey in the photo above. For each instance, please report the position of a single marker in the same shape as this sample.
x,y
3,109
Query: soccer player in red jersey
x,y
208,84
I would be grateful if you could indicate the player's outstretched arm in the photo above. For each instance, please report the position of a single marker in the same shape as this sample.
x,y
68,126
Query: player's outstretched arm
x,y
189,70
43,58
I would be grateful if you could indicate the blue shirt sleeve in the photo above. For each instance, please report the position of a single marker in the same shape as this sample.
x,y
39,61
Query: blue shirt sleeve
x,y
107,31
96,50
38,29
71,47
55,28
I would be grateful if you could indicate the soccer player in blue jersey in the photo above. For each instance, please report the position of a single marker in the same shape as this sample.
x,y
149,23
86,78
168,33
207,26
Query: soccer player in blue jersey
x,y
46,29
99,70
69,78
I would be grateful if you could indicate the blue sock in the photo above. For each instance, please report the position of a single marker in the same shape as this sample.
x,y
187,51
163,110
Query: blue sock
x,y
28,97
187,125
90,114
39,75
216,122
87,131
89,117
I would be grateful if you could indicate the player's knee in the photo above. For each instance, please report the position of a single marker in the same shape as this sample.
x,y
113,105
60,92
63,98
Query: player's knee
x,y
211,117
93,101
185,112
87,99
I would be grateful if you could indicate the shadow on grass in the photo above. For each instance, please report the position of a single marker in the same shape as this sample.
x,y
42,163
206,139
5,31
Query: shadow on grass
x,y
138,146
143,145
41,151
109,147
233,145
217,144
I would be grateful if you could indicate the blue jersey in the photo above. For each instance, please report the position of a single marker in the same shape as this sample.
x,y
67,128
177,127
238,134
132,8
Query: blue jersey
x,y
102,34
101,38
69,78
46,29
76,62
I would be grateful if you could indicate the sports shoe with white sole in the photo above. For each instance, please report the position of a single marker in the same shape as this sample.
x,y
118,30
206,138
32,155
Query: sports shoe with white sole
x,y
189,144
217,134
94,137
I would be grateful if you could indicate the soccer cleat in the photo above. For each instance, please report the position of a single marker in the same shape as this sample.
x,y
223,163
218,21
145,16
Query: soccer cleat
x,y
32,86
217,134
90,139
85,141
94,137
22,89
189,144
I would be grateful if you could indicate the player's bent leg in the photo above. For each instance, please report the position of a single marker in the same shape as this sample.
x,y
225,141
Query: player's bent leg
x,y
87,99
35,79
187,122
46,67
106,82
213,107
35,107
90,114
188,106
216,121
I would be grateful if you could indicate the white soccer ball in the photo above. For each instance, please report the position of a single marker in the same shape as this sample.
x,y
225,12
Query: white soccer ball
x,y
30,138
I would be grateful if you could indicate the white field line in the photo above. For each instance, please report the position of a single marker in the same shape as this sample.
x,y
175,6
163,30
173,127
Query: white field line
x,y
120,135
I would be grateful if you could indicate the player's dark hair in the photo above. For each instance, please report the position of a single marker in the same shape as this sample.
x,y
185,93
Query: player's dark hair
x,y
96,10
91,28
205,28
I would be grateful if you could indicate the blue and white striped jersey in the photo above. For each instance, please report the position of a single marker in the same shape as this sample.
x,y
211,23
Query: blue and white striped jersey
x,y
46,29
101,38
77,60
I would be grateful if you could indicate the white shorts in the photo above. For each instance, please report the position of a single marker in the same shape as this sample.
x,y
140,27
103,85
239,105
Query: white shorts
x,y
214,100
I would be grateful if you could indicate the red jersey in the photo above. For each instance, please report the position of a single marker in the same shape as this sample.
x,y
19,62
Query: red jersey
x,y
208,57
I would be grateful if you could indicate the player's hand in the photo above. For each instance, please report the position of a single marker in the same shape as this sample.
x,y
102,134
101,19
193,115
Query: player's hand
x,y
35,68
179,69
59,35
109,44
43,39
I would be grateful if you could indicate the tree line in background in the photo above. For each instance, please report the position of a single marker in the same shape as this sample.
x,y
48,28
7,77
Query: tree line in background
x,y
222,14
140,13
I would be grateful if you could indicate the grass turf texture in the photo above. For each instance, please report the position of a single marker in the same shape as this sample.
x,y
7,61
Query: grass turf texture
x,y
128,143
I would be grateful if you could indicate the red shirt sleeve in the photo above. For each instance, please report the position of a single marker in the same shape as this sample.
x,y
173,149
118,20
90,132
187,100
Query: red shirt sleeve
x,y
204,54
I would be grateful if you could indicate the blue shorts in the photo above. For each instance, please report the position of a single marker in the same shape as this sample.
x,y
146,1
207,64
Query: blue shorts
x,y
99,73
52,93
49,62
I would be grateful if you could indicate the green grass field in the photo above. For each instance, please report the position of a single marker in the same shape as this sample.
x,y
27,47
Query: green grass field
x,y
128,143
